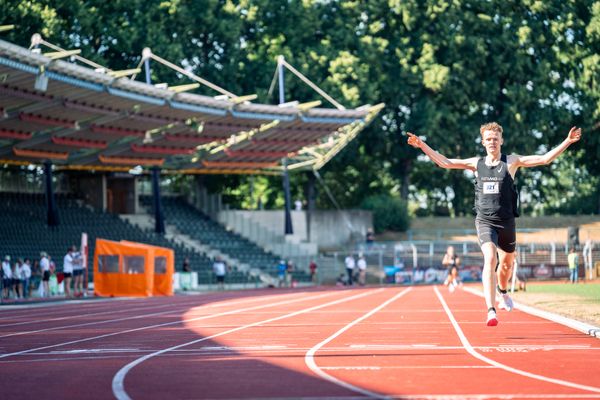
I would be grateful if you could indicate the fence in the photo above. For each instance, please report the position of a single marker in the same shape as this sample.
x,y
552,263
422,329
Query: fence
x,y
421,261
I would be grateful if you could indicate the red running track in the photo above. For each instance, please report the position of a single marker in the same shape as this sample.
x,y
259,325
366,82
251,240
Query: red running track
x,y
413,343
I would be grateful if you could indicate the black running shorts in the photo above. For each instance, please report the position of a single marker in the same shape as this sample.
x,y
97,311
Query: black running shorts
x,y
501,233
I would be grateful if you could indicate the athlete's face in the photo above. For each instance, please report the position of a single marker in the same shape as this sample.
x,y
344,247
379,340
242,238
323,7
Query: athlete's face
x,y
492,141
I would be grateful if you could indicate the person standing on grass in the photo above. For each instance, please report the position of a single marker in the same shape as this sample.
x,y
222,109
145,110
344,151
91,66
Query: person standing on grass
x,y
362,270
7,276
68,262
573,260
312,267
350,265
496,204
77,272
45,268
220,269
26,277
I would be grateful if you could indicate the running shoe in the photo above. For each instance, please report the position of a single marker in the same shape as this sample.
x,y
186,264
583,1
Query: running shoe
x,y
451,288
491,318
505,302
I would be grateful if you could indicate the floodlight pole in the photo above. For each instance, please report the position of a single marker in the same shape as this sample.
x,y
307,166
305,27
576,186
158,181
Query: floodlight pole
x,y
310,206
51,208
159,221
289,230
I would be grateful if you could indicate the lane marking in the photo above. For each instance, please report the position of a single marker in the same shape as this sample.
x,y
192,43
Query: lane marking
x,y
178,308
309,358
223,302
467,345
376,368
588,329
118,383
481,396
165,324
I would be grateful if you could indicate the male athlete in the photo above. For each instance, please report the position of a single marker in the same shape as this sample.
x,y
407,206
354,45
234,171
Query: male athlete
x,y
495,204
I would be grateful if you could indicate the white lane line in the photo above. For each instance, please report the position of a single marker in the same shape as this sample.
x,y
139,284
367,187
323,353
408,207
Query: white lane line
x,y
377,368
179,308
29,308
118,383
37,321
76,313
164,324
481,396
467,345
309,358
571,323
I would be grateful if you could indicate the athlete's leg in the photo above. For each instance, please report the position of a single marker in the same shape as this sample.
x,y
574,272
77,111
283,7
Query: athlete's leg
x,y
505,266
488,277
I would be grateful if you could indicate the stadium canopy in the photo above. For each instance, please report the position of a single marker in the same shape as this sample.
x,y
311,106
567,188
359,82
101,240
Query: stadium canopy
x,y
83,116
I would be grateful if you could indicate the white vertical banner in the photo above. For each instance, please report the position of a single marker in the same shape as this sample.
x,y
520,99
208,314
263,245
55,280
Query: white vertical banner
x,y
84,257
84,250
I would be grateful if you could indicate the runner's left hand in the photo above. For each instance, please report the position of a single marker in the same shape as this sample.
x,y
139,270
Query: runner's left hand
x,y
574,135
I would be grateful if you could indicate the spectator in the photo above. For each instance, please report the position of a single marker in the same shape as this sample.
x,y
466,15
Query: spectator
x,y
362,270
68,263
573,260
452,262
298,205
340,280
36,274
281,271
17,282
45,269
186,267
26,277
289,274
7,276
370,238
312,267
350,264
220,269
77,272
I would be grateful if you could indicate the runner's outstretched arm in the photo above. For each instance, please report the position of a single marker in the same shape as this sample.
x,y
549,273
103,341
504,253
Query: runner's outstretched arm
x,y
440,160
545,159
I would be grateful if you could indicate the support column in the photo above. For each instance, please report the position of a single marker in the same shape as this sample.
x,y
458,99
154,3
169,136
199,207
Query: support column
x,y
311,201
51,208
289,230
159,222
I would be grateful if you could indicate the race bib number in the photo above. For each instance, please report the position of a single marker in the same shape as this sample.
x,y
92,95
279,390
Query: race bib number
x,y
491,187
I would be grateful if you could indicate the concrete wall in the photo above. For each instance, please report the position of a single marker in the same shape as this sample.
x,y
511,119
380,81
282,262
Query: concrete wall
x,y
327,228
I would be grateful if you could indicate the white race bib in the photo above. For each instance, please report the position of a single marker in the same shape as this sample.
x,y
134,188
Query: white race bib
x,y
491,187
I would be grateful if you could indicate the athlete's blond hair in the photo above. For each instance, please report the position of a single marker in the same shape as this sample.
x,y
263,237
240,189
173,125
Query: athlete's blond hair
x,y
491,126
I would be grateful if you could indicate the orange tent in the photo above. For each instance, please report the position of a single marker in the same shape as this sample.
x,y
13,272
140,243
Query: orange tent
x,y
128,269
164,268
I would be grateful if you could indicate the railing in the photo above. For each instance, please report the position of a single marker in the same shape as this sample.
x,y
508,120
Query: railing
x,y
385,259
263,236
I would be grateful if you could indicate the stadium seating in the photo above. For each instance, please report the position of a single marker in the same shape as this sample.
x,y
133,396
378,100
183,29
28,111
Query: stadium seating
x,y
190,221
24,233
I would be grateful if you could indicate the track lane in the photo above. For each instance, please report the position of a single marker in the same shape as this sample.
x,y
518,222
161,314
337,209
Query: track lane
x,y
393,352
121,346
129,314
400,350
555,359
249,371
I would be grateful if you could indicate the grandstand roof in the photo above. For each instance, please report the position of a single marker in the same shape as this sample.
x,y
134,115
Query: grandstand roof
x,y
90,118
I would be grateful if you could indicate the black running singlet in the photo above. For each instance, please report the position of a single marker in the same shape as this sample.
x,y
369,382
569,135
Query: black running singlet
x,y
495,193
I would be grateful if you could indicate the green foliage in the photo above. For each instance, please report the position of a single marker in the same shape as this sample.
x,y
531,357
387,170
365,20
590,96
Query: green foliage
x,y
442,67
389,213
588,292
